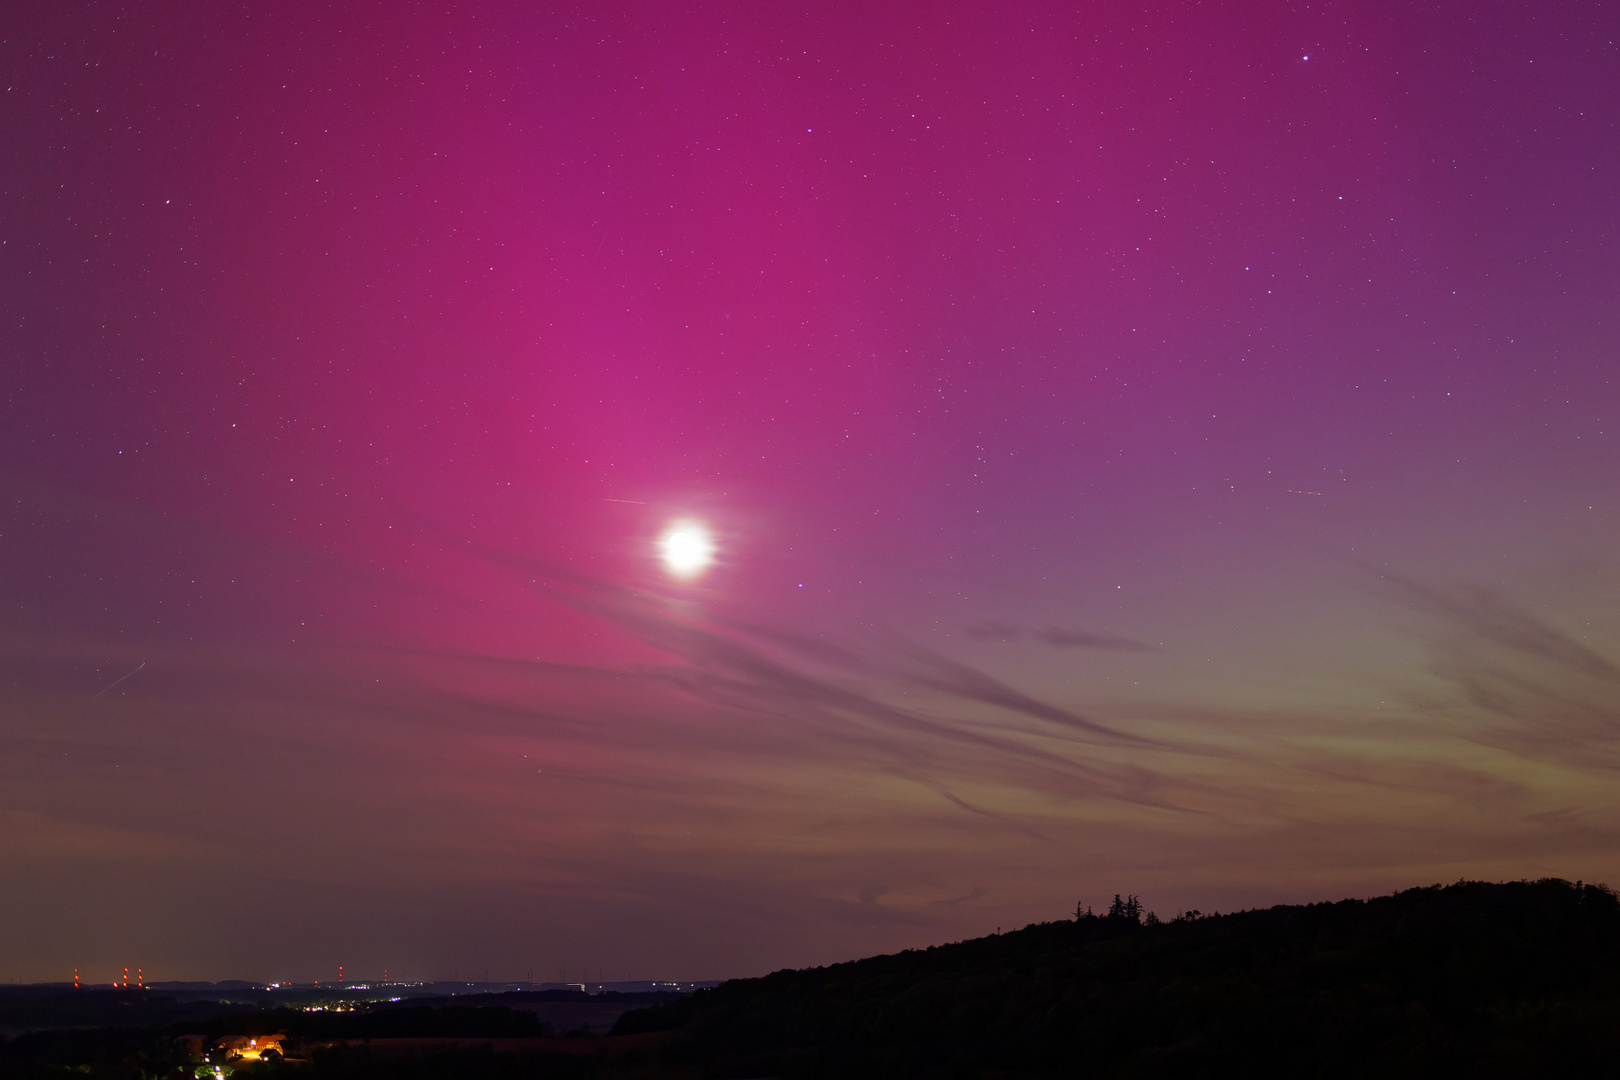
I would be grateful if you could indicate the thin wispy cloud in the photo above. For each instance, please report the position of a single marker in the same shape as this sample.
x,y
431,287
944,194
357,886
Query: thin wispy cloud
x,y
721,746
1514,680
1062,638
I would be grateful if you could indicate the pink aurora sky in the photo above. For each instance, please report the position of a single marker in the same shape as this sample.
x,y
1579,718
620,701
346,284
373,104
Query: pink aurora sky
x,y
1164,451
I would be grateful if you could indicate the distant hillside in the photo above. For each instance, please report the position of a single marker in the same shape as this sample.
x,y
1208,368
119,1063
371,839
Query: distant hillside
x,y
1472,979
28,1008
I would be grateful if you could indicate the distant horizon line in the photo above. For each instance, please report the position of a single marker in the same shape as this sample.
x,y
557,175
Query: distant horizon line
x,y
366,984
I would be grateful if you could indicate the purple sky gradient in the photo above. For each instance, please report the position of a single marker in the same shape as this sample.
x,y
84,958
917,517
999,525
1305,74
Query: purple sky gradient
x,y
1157,451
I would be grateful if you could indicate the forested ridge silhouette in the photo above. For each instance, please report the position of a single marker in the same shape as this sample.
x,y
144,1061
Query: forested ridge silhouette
x,y
1473,979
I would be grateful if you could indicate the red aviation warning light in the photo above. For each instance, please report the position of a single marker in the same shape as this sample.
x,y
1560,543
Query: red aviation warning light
x,y
126,978
140,978
75,978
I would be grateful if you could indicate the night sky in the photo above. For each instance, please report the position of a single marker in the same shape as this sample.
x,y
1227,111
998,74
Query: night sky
x,y
1168,450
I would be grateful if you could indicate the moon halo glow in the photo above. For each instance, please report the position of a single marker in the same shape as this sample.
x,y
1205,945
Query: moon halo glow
x,y
687,549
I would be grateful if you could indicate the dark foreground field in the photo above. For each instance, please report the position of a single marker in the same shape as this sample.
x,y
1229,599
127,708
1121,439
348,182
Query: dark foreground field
x,y
1473,979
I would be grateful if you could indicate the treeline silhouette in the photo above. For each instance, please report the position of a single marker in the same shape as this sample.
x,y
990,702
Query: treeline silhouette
x,y
26,1007
1472,979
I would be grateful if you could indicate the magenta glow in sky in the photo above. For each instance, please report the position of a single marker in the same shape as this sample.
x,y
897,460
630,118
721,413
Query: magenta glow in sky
x,y
1156,451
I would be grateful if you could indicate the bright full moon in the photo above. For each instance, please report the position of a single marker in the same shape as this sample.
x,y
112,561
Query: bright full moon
x,y
687,549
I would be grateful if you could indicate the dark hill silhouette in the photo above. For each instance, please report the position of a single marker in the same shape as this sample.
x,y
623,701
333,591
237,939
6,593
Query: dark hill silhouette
x,y
1472,979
